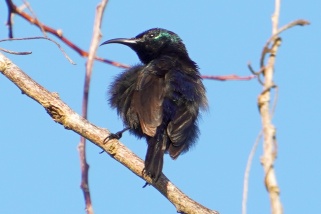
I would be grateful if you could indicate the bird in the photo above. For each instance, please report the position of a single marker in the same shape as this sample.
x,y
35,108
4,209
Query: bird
x,y
159,99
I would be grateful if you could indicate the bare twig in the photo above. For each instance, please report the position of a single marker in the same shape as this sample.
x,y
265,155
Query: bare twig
x,y
266,49
15,52
40,37
65,116
13,9
35,17
269,131
247,172
89,65
299,22
228,77
256,73
251,155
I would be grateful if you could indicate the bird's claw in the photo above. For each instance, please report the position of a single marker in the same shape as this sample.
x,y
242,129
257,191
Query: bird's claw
x,y
151,175
116,135
146,184
110,137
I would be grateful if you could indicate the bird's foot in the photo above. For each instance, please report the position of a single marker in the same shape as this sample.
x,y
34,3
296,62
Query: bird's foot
x,y
116,135
151,175
111,136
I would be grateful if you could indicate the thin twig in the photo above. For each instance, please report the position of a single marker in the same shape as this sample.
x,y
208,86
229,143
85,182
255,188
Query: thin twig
x,y
15,52
299,22
40,37
228,77
266,49
35,17
89,65
256,73
13,9
247,172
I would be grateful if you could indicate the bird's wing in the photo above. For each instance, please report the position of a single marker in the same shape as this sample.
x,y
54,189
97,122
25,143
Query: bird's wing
x,y
182,130
189,94
148,99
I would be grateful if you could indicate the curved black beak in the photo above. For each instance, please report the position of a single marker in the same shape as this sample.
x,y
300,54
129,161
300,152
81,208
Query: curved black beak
x,y
129,42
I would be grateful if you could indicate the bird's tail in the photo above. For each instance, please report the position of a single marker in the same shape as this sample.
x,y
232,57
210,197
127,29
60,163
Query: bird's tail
x,y
154,157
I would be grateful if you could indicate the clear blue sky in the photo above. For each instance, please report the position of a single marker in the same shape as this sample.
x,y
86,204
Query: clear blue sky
x,y
39,160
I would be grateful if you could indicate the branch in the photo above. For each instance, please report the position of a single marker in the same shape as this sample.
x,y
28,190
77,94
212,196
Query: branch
x,y
13,9
27,5
266,111
40,37
89,65
247,172
228,77
266,49
269,131
65,116
15,52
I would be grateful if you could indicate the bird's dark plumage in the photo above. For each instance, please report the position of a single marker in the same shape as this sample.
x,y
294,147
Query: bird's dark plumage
x,y
160,99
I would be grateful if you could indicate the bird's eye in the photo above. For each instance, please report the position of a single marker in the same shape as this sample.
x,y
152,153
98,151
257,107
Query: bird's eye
x,y
151,35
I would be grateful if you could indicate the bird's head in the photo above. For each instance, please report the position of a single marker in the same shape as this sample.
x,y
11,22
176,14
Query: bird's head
x,y
154,43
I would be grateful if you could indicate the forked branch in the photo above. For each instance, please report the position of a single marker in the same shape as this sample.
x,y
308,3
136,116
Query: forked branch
x,y
264,103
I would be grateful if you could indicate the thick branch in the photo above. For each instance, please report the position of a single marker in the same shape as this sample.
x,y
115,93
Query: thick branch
x,y
65,116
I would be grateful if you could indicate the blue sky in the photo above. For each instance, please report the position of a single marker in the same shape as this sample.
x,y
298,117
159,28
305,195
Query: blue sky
x,y
39,160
